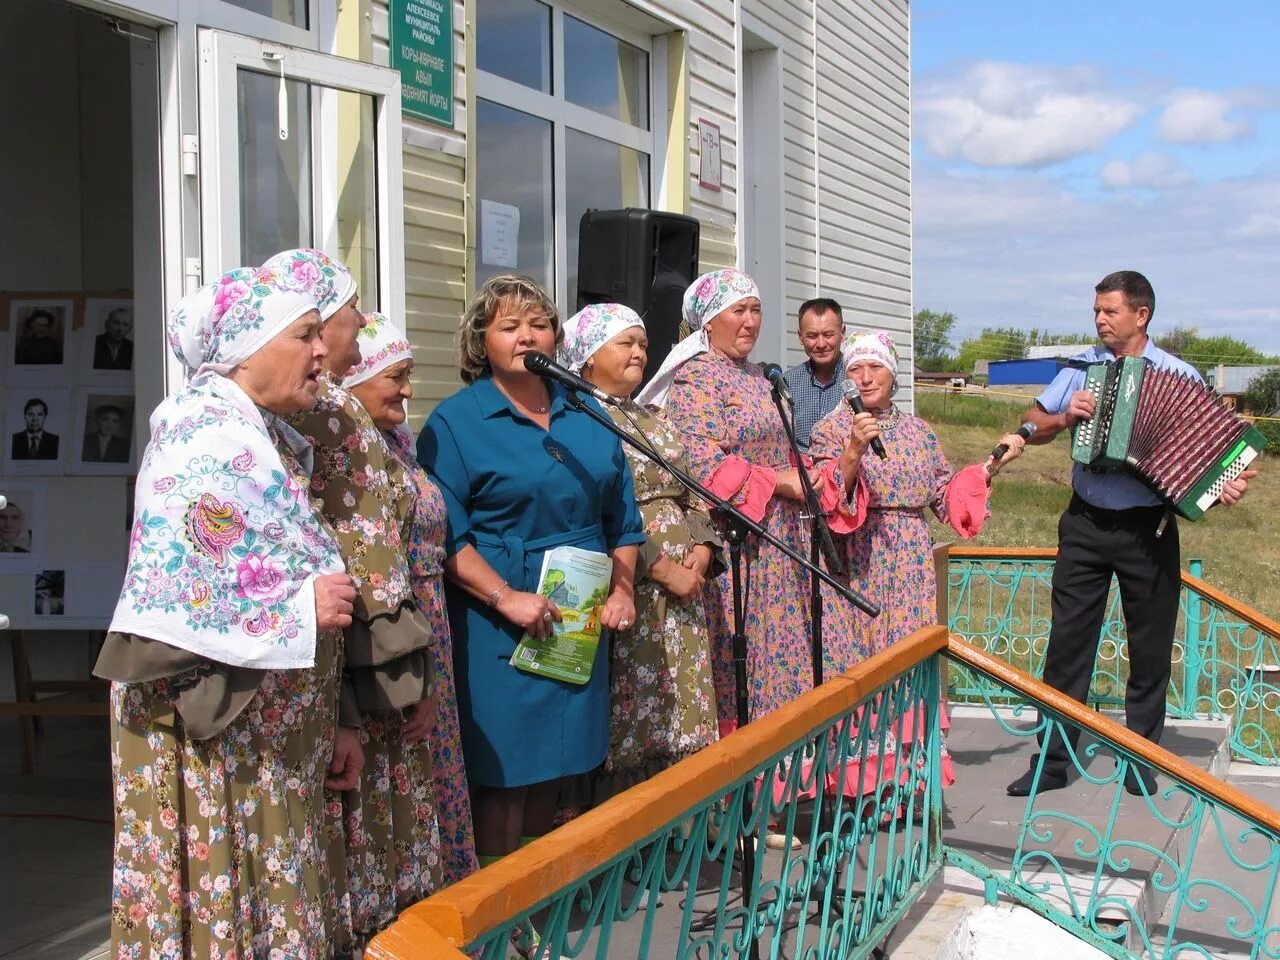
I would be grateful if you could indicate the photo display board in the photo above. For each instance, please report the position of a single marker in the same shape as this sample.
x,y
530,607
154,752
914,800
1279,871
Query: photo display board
x,y
68,455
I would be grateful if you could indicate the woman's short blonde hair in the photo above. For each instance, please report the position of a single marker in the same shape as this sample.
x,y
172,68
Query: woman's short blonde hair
x,y
515,292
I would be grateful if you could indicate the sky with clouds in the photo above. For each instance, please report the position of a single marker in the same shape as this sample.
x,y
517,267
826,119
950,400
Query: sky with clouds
x,y
1054,143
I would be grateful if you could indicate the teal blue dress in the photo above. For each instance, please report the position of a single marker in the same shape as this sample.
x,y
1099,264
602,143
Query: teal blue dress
x,y
513,491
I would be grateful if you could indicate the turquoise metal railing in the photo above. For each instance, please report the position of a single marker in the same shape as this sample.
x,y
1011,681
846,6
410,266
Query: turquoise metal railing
x,y
869,743
1226,658
851,772
1207,888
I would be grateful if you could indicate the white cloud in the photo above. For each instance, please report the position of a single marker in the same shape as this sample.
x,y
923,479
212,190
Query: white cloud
x,y
1148,171
1200,116
1011,115
1261,225
1023,250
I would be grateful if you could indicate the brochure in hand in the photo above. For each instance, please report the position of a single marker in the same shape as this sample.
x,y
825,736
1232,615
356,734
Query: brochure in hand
x,y
576,581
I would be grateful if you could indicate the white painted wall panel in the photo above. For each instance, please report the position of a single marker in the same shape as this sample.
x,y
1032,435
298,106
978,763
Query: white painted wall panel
x,y
864,160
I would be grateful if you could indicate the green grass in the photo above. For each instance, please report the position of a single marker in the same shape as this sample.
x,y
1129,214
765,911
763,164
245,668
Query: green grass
x,y
1240,545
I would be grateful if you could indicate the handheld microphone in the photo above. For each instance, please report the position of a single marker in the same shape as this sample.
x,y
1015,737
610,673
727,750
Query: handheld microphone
x,y
548,369
1026,432
851,394
774,373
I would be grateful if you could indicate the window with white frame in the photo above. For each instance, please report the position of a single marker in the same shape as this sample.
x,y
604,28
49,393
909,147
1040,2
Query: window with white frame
x,y
563,124
293,12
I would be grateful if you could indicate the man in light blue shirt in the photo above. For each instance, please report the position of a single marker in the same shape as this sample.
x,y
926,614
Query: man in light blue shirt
x,y
1114,525
815,384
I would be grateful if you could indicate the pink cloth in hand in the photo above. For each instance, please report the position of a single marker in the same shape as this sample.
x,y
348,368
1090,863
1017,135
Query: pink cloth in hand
x,y
749,488
842,515
968,500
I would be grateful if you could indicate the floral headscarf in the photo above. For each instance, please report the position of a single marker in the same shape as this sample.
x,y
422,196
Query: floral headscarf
x,y
382,345
591,328
225,548
314,272
876,347
708,296
227,321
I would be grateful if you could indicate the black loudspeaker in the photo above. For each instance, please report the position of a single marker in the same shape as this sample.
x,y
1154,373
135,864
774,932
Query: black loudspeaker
x,y
645,259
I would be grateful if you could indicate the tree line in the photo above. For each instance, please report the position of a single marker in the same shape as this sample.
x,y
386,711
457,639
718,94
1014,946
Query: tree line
x,y
934,351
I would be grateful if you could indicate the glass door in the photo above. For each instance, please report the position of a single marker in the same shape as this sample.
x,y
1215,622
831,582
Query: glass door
x,y
301,149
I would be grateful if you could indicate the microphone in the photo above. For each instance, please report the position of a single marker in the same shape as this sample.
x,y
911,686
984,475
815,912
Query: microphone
x,y
774,374
548,369
1026,432
851,394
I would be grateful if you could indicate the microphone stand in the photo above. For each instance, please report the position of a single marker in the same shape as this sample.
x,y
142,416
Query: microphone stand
x,y
736,525
820,543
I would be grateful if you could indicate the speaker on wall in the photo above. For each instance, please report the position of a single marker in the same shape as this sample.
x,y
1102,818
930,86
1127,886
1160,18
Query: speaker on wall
x,y
645,259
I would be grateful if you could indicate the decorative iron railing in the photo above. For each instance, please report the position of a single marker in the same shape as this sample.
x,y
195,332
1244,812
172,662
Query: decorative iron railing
x,y
845,779
848,779
1226,659
1210,886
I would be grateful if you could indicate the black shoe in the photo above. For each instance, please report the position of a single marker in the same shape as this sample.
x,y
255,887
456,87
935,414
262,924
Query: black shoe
x,y
1049,780
1139,780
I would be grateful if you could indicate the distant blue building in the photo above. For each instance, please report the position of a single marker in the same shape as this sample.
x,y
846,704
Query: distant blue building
x,y
1003,373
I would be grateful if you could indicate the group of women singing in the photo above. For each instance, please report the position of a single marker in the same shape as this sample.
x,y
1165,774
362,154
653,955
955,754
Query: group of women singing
x,y
314,718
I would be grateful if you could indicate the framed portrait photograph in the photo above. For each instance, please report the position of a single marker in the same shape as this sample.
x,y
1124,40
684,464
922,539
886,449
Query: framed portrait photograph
x,y
40,345
22,527
49,593
106,340
102,434
37,423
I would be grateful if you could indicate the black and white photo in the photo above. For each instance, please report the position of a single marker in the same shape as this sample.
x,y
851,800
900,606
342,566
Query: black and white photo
x,y
22,523
108,335
49,593
40,336
15,526
36,421
104,434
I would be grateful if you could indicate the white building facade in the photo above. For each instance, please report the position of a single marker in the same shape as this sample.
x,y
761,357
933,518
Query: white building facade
x,y
154,144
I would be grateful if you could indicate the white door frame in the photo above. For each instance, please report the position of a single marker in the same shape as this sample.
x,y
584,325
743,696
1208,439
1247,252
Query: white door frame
x,y
760,210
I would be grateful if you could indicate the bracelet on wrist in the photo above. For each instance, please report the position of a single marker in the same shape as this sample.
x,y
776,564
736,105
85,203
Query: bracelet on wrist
x,y
496,595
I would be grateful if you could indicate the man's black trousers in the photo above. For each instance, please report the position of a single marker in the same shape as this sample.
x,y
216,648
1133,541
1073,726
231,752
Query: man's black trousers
x,y
1093,544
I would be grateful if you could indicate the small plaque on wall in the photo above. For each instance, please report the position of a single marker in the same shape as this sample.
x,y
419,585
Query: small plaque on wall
x,y
709,154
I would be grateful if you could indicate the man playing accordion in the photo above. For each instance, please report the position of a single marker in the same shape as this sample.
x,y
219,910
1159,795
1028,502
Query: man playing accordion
x,y
1115,525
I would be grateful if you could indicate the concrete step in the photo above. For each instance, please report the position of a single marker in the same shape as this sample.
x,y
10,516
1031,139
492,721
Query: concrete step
x,y
951,922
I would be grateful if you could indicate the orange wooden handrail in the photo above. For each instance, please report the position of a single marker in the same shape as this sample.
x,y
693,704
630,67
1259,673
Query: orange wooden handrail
x,y
412,937
1157,757
466,910
1246,613
1003,553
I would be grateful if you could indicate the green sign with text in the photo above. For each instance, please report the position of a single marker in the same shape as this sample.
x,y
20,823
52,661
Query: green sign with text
x,y
422,50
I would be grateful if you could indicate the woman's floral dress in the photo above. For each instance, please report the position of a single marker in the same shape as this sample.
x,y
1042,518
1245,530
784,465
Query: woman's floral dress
x,y
890,556
385,829
662,698
723,414
426,570
220,842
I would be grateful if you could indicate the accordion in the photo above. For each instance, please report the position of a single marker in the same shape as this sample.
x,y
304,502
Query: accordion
x,y
1171,429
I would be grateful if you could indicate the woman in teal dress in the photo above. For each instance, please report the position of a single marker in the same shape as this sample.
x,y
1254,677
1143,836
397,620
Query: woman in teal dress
x,y
522,471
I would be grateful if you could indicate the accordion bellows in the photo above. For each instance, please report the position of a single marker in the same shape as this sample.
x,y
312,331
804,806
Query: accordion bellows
x,y
1171,429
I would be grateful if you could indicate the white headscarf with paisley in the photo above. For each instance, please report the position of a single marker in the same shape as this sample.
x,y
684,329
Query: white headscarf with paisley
x,y
225,547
